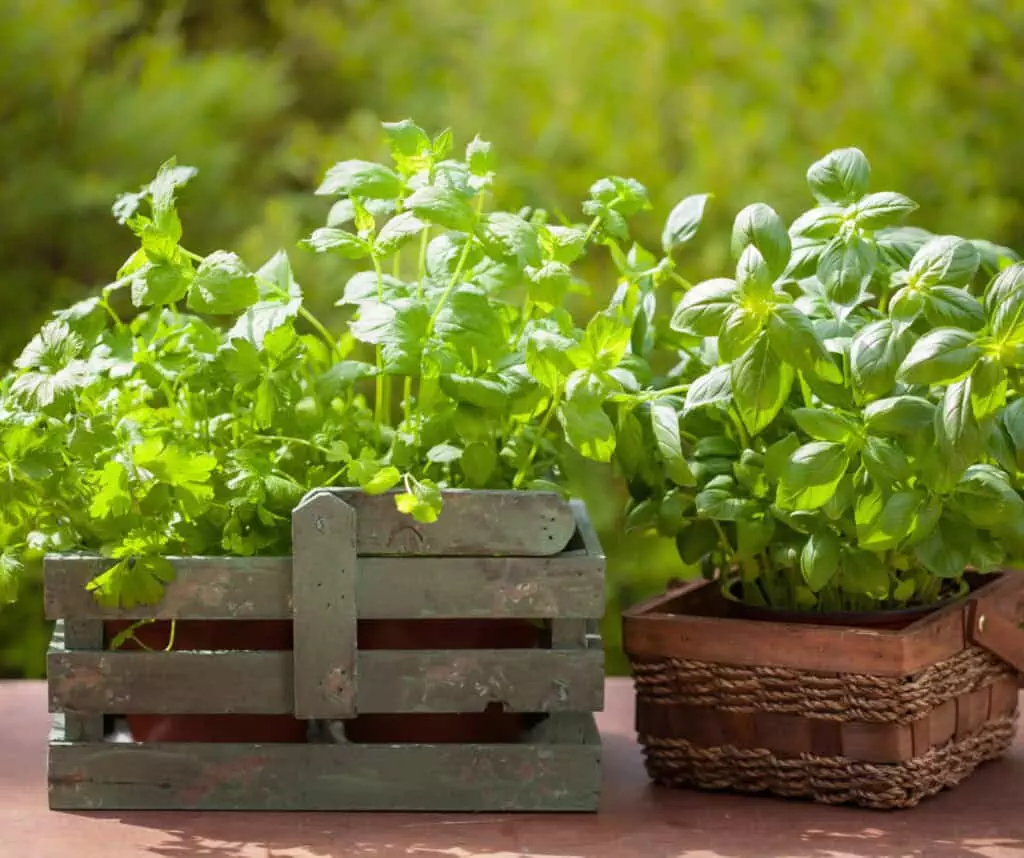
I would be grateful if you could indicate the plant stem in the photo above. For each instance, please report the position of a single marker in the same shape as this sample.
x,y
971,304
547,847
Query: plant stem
x,y
110,311
291,440
722,538
740,428
382,383
320,329
457,274
525,467
665,391
592,229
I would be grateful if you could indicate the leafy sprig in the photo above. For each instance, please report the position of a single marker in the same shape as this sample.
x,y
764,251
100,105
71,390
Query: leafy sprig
x,y
193,424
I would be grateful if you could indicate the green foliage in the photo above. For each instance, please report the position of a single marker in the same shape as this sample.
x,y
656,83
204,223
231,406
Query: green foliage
x,y
866,411
193,427
265,98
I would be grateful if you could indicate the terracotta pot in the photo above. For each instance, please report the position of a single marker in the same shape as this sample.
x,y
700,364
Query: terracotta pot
x,y
213,635
882,619
492,725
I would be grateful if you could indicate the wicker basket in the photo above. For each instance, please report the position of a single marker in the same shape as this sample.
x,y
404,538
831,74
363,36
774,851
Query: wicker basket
x,y
838,714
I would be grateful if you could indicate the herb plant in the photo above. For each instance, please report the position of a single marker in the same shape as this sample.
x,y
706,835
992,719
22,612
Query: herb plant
x,y
853,427
194,423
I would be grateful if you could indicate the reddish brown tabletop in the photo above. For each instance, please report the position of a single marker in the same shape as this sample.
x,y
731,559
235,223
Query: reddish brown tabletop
x,y
984,817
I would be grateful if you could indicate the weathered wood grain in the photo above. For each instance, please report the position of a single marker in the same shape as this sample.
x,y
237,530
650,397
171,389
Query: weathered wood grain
x,y
531,680
324,568
558,772
80,635
479,523
570,586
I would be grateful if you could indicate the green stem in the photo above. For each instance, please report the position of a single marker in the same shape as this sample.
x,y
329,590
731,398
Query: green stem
x,y
421,268
724,540
740,428
457,274
525,467
291,440
382,383
320,329
592,229
665,391
110,311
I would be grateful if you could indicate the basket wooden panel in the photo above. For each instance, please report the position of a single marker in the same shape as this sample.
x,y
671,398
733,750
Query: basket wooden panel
x,y
877,718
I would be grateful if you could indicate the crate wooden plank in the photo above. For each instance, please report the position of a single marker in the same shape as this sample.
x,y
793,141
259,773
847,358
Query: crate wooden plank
x,y
972,711
84,635
481,523
1004,697
249,588
530,680
549,773
324,608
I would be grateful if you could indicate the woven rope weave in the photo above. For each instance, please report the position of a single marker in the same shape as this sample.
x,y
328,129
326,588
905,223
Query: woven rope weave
x,y
839,697
832,780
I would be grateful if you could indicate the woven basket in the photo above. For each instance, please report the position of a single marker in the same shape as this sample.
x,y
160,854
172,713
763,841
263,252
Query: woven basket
x,y
881,719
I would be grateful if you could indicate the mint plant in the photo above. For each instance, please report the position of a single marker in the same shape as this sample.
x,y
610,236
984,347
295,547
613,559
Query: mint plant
x,y
852,425
194,423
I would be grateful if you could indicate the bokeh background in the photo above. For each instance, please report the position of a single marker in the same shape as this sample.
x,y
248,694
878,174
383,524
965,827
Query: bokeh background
x,y
736,97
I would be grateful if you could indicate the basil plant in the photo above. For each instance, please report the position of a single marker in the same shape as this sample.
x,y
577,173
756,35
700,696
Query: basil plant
x,y
851,429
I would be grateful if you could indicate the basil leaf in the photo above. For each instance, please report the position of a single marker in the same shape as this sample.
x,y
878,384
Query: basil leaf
x,y
703,309
683,222
753,278
819,560
947,305
665,422
795,341
884,209
713,387
894,523
823,425
722,505
811,476
753,535
864,573
1005,289
823,222
740,330
944,261
898,415
876,353
696,540
760,226
941,356
845,267
760,385
840,177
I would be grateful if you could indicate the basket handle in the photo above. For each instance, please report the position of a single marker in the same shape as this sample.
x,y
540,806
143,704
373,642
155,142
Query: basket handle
x,y
990,630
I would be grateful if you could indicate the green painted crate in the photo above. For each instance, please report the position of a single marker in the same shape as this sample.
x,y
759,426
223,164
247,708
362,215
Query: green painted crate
x,y
490,555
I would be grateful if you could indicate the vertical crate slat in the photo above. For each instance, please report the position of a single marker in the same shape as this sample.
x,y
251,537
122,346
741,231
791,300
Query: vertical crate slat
x,y
80,635
491,555
324,607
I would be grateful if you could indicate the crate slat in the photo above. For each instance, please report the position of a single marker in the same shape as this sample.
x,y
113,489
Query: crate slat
x,y
526,680
80,635
480,523
324,569
557,770
249,588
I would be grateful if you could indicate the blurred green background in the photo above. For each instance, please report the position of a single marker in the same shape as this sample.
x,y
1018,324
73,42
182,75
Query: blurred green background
x,y
736,97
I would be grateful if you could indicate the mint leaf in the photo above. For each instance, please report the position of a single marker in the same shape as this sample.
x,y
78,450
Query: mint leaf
x,y
361,179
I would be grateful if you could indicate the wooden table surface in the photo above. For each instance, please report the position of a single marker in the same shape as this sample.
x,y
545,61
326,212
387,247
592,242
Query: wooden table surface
x,y
984,817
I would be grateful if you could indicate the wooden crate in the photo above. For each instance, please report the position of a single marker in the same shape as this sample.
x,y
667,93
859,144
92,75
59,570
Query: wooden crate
x,y
490,555
880,718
